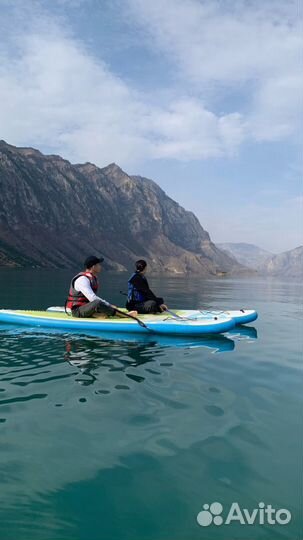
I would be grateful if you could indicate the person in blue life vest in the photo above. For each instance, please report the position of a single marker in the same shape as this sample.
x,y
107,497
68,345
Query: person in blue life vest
x,y
140,297
82,297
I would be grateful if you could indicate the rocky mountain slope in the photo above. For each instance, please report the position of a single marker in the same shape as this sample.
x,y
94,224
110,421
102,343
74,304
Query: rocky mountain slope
x,y
246,254
54,214
288,264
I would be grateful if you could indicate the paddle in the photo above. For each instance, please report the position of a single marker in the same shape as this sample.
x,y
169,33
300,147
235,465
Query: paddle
x,y
189,318
175,315
168,310
132,317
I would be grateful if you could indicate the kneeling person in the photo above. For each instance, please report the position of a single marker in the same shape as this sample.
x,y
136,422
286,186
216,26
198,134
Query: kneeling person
x,y
140,297
82,298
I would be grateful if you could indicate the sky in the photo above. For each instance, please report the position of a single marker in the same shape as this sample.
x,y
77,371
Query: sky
x,y
202,96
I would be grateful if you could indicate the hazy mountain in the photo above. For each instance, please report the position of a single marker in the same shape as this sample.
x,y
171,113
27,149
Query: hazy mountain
x,y
287,264
246,254
54,214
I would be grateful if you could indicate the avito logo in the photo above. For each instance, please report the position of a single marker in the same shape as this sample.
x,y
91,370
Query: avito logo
x,y
211,514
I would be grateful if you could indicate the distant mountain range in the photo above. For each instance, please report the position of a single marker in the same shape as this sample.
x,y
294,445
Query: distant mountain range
x,y
54,214
287,264
246,254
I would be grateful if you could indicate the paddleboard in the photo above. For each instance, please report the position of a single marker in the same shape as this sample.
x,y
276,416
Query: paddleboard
x,y
164,323
240,316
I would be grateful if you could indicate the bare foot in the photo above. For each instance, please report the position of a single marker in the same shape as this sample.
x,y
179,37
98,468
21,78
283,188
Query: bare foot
x,y
133,313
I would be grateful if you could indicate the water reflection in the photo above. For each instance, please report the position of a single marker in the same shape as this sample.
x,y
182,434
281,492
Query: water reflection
x,y
83,354
119,354
93,353
244,332
34,357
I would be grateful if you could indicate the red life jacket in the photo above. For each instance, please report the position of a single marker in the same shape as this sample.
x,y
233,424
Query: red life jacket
x,y
75,298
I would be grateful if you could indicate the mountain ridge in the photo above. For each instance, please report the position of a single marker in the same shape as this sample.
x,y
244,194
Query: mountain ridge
x,y
286,264
54,214
245,253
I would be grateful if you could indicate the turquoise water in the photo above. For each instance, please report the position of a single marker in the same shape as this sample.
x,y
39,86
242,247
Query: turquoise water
x,y
111,439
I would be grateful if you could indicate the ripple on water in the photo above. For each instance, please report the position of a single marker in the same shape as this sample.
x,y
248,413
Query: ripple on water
x,y
214,410
181,422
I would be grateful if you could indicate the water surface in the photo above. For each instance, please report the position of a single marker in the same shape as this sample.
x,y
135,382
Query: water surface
x,y
119,438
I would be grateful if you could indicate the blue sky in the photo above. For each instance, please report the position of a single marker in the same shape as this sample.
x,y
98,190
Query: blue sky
x,y
202,96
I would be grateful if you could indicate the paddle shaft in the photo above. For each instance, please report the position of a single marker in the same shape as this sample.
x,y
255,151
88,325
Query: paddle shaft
x,y
175,315
141,323
168,310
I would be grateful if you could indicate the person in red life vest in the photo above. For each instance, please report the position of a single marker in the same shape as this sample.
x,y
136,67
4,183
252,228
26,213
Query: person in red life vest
x,y
82,297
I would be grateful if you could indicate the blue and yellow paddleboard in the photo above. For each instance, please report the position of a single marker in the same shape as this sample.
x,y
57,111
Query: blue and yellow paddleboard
x,y
189,323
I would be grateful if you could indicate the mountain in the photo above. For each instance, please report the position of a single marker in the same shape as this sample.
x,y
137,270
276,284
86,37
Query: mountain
x,y
246,254
54,214
288,264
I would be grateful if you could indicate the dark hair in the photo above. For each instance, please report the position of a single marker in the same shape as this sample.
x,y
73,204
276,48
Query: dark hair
x,y
91,261
140,265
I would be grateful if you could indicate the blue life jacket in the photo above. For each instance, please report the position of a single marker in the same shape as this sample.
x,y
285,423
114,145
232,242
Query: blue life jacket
x,y
133,295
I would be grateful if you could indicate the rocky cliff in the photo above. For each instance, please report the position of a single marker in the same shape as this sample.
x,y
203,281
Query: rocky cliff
x,y
54,214
288,264
246,254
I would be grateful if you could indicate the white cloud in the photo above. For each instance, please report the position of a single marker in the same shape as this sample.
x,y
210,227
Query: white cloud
x,y
188,130
251,48
55,94
277,107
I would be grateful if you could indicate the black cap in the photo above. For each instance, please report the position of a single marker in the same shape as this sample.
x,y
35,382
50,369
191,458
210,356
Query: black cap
x,y
90,261
140,265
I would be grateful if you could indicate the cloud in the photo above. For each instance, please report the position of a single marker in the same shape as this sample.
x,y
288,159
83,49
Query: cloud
x,y
188,130
277,106
249,48
227,42
55,94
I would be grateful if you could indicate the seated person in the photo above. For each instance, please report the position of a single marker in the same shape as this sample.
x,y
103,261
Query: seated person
x,y
82,299
140,297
